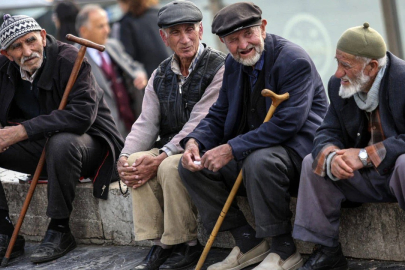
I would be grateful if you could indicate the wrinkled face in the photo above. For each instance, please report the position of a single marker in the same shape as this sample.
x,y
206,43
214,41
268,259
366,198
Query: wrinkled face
x,y
247,45
183,39
27,51
97,28
351,73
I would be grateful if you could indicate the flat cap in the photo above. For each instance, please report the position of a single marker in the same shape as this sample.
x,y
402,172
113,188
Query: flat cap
x,y
362,41
236,17
178,12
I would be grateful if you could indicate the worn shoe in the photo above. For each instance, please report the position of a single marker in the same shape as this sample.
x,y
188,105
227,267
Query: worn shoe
x,y
274,262
155,258
237,260
326,258
55,245
18,248
183,257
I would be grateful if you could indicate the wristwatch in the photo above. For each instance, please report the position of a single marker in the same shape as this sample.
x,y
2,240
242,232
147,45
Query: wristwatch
x,y
363,156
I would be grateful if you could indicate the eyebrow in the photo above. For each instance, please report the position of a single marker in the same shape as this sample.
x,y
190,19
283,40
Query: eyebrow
x,y
18,44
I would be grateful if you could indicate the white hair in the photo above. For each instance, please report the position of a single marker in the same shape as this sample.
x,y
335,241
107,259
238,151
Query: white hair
x,y
381,61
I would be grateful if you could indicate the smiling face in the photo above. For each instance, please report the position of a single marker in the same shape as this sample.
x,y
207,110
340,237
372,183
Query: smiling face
x,y
27,51
247,45
183,39
355,75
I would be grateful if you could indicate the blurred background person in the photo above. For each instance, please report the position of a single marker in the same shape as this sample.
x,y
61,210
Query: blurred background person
x,y
139,33
64,18
121,78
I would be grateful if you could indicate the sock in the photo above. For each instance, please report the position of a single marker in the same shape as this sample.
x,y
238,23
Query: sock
x,y
59,225
6,226
245,238
283,245
157,242
192,243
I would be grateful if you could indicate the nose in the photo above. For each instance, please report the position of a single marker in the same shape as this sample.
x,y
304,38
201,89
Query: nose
x,y
26,50
339,72
243,44
184,37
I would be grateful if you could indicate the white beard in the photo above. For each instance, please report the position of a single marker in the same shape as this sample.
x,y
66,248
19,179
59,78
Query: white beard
x,y
252,60
357,85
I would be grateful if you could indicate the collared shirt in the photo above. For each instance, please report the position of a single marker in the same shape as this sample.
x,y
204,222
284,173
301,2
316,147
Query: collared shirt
x,y
95,55
253,73
175,66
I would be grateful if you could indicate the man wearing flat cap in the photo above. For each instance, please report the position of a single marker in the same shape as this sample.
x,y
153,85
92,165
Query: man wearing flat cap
x,y
178,95
233,137
359,150
82,139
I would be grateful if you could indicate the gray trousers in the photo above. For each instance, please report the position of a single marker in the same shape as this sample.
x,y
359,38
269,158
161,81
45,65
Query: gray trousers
x,y
319,199
268,175
68,157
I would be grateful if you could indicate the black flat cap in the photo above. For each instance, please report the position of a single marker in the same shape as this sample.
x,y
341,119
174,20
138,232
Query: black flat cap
x,y
177,12
236,17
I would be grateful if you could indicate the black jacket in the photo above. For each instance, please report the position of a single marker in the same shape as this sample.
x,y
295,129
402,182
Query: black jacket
x,y
85,112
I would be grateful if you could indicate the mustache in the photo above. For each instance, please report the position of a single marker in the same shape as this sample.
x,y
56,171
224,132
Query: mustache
x,y
31,56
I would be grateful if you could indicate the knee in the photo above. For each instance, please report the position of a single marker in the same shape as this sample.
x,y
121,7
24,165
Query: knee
x,y
133,157
307,162
61,144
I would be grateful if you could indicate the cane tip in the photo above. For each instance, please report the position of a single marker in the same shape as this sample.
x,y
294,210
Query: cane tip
x,y
4,262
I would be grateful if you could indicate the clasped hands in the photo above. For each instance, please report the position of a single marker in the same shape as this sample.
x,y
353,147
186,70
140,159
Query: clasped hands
x,y
345,163
212,160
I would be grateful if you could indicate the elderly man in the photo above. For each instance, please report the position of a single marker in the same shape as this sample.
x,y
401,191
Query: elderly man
x,y
359,149
178,95
121,78
82,138
233,136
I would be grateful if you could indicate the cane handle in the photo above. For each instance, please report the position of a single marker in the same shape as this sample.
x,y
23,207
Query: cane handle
x,y
85,42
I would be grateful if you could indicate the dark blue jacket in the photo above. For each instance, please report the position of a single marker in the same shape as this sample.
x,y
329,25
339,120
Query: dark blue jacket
x,y
288,68
345,125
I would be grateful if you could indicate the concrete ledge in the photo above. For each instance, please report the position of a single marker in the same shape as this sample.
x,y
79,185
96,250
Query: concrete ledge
x,y
372,231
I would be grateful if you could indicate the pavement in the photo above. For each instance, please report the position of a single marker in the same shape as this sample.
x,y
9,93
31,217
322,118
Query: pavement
x,y
126,257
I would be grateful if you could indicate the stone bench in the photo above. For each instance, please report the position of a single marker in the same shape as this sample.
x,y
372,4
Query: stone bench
x,y
372,231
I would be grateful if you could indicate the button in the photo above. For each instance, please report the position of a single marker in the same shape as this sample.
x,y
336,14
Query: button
x,y
358,134
374,127
49,134
252,127
252,110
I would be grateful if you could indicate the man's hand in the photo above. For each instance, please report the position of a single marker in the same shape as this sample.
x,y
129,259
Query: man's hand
x,y
345,162
217,157
141,80
191,154
11,135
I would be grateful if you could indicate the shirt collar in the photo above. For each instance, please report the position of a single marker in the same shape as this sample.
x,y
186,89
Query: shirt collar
x,y
175,65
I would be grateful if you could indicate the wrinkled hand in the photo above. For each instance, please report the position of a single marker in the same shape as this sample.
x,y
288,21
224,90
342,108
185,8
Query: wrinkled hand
x,y
217,157
345,162
141,80
11,135
191,154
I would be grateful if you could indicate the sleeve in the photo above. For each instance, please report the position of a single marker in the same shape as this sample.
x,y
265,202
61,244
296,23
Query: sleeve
x,y
296,79
80,111
199,111
145,130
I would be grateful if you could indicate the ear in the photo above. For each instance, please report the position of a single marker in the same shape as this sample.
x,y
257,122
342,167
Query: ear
x,y
222,40
163,36
43,35
371,69
263,28
201,31
4,52
83,30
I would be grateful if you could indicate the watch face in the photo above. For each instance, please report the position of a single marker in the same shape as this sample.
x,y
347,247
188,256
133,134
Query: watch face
x,y
363,154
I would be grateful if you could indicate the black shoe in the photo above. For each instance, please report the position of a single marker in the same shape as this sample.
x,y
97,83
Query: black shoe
x,y
183,257
155,258
55,245
18,248
326,258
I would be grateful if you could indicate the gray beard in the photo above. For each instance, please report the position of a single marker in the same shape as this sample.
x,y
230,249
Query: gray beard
x,y
250,62
358,85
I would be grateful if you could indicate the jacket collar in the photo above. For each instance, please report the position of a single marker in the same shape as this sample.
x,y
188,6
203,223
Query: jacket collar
x,y
51,51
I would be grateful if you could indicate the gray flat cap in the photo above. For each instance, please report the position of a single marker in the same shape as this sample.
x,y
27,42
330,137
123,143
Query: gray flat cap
x,y
178,12
236,17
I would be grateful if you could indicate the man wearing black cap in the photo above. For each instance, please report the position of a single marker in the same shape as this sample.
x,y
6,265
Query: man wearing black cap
x,y
178,95
233,136
359,150
82,139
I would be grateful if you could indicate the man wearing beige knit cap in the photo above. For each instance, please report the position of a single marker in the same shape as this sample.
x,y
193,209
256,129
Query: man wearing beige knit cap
x,y
359,150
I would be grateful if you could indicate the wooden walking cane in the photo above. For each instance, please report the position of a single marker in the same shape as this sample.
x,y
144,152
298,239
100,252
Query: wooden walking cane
x,y
276,100
72,79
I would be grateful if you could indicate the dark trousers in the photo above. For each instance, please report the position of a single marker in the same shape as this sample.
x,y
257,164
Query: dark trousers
x,y
319,200
268,175
68,157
